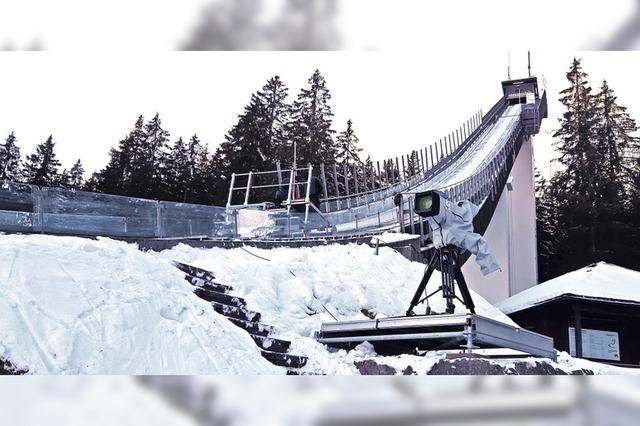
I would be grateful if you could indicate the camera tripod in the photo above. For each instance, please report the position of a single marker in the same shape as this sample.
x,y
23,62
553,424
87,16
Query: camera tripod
x,y
446,260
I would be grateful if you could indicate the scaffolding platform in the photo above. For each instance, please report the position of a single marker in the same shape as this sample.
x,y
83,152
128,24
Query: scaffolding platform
x,y
406,335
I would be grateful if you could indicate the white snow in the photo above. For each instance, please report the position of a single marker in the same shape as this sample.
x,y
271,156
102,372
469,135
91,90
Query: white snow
x,y
78,306
601,280
297,289
393,237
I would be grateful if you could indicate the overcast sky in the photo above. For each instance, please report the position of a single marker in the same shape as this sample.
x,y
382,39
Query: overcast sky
x,y
398,101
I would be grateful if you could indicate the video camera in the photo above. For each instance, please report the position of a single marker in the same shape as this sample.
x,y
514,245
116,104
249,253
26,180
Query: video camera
x,y
427,204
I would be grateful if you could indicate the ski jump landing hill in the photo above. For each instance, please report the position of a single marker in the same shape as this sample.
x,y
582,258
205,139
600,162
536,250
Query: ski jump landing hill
x,y
488,160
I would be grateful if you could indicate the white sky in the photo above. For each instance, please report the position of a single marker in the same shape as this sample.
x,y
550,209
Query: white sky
x,y
90,101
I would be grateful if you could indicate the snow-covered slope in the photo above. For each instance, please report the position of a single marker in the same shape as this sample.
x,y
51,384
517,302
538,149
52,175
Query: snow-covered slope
x,y
289,286
297,289
601,280
76,306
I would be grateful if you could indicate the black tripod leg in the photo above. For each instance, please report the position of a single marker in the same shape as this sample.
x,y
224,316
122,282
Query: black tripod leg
x,y
422,285
464,290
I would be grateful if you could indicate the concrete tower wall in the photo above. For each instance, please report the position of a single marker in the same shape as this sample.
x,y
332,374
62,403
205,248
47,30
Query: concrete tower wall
x,y
511,236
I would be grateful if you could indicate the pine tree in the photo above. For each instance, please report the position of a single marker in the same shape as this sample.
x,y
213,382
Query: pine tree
x,y
311,123
10,160
211,182
153,169
115,178
548,233
576,184
178,173
275,118
347,149
587,197
197,163
614,137
76,176
41,168
241,150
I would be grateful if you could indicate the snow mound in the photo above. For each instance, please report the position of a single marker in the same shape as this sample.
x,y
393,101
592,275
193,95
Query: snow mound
x,y
393,237
297,289
601,280
77,306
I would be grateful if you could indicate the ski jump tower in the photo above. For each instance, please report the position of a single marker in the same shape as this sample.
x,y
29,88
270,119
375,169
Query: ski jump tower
x,y
511,232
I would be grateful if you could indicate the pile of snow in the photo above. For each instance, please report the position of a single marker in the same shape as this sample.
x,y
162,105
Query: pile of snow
x,y
297,289
602,281
81,401
78,306
393,237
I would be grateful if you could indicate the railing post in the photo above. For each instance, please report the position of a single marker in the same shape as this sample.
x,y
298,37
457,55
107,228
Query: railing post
x,y
290,191
246,195
431,155
385,165
366,179
426,160
355,178
279,172
345,170
404,176
379,174
324,181
233,180
335,180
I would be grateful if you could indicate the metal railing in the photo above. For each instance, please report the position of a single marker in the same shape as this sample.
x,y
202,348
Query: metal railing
x,y
27,208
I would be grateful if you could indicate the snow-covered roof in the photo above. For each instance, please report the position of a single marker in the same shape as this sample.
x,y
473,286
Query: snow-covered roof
x,y
598,281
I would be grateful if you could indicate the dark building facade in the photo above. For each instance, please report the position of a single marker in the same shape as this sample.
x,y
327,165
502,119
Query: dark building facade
x,y
602,330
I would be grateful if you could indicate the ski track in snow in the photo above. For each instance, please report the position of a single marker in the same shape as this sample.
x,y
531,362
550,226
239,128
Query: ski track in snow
x,y
78,306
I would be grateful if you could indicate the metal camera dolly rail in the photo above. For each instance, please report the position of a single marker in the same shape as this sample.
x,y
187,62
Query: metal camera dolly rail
x,y
403,335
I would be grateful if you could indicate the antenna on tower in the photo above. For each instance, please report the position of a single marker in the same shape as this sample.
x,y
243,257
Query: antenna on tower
x,y
529,61
509,65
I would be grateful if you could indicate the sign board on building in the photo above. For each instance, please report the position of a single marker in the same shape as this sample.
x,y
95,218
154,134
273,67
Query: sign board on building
x,y
597,344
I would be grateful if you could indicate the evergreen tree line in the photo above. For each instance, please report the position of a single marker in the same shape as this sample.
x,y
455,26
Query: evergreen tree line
x,y
589,211
41,168
147,164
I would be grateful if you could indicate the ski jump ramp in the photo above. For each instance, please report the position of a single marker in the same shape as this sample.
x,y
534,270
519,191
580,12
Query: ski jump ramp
x,y
488,161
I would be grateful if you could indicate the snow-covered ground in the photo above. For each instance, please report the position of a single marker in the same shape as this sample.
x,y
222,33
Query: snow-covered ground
x,y
78,306
297,289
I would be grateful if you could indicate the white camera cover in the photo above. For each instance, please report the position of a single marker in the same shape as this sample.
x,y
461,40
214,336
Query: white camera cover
x,y
454,225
